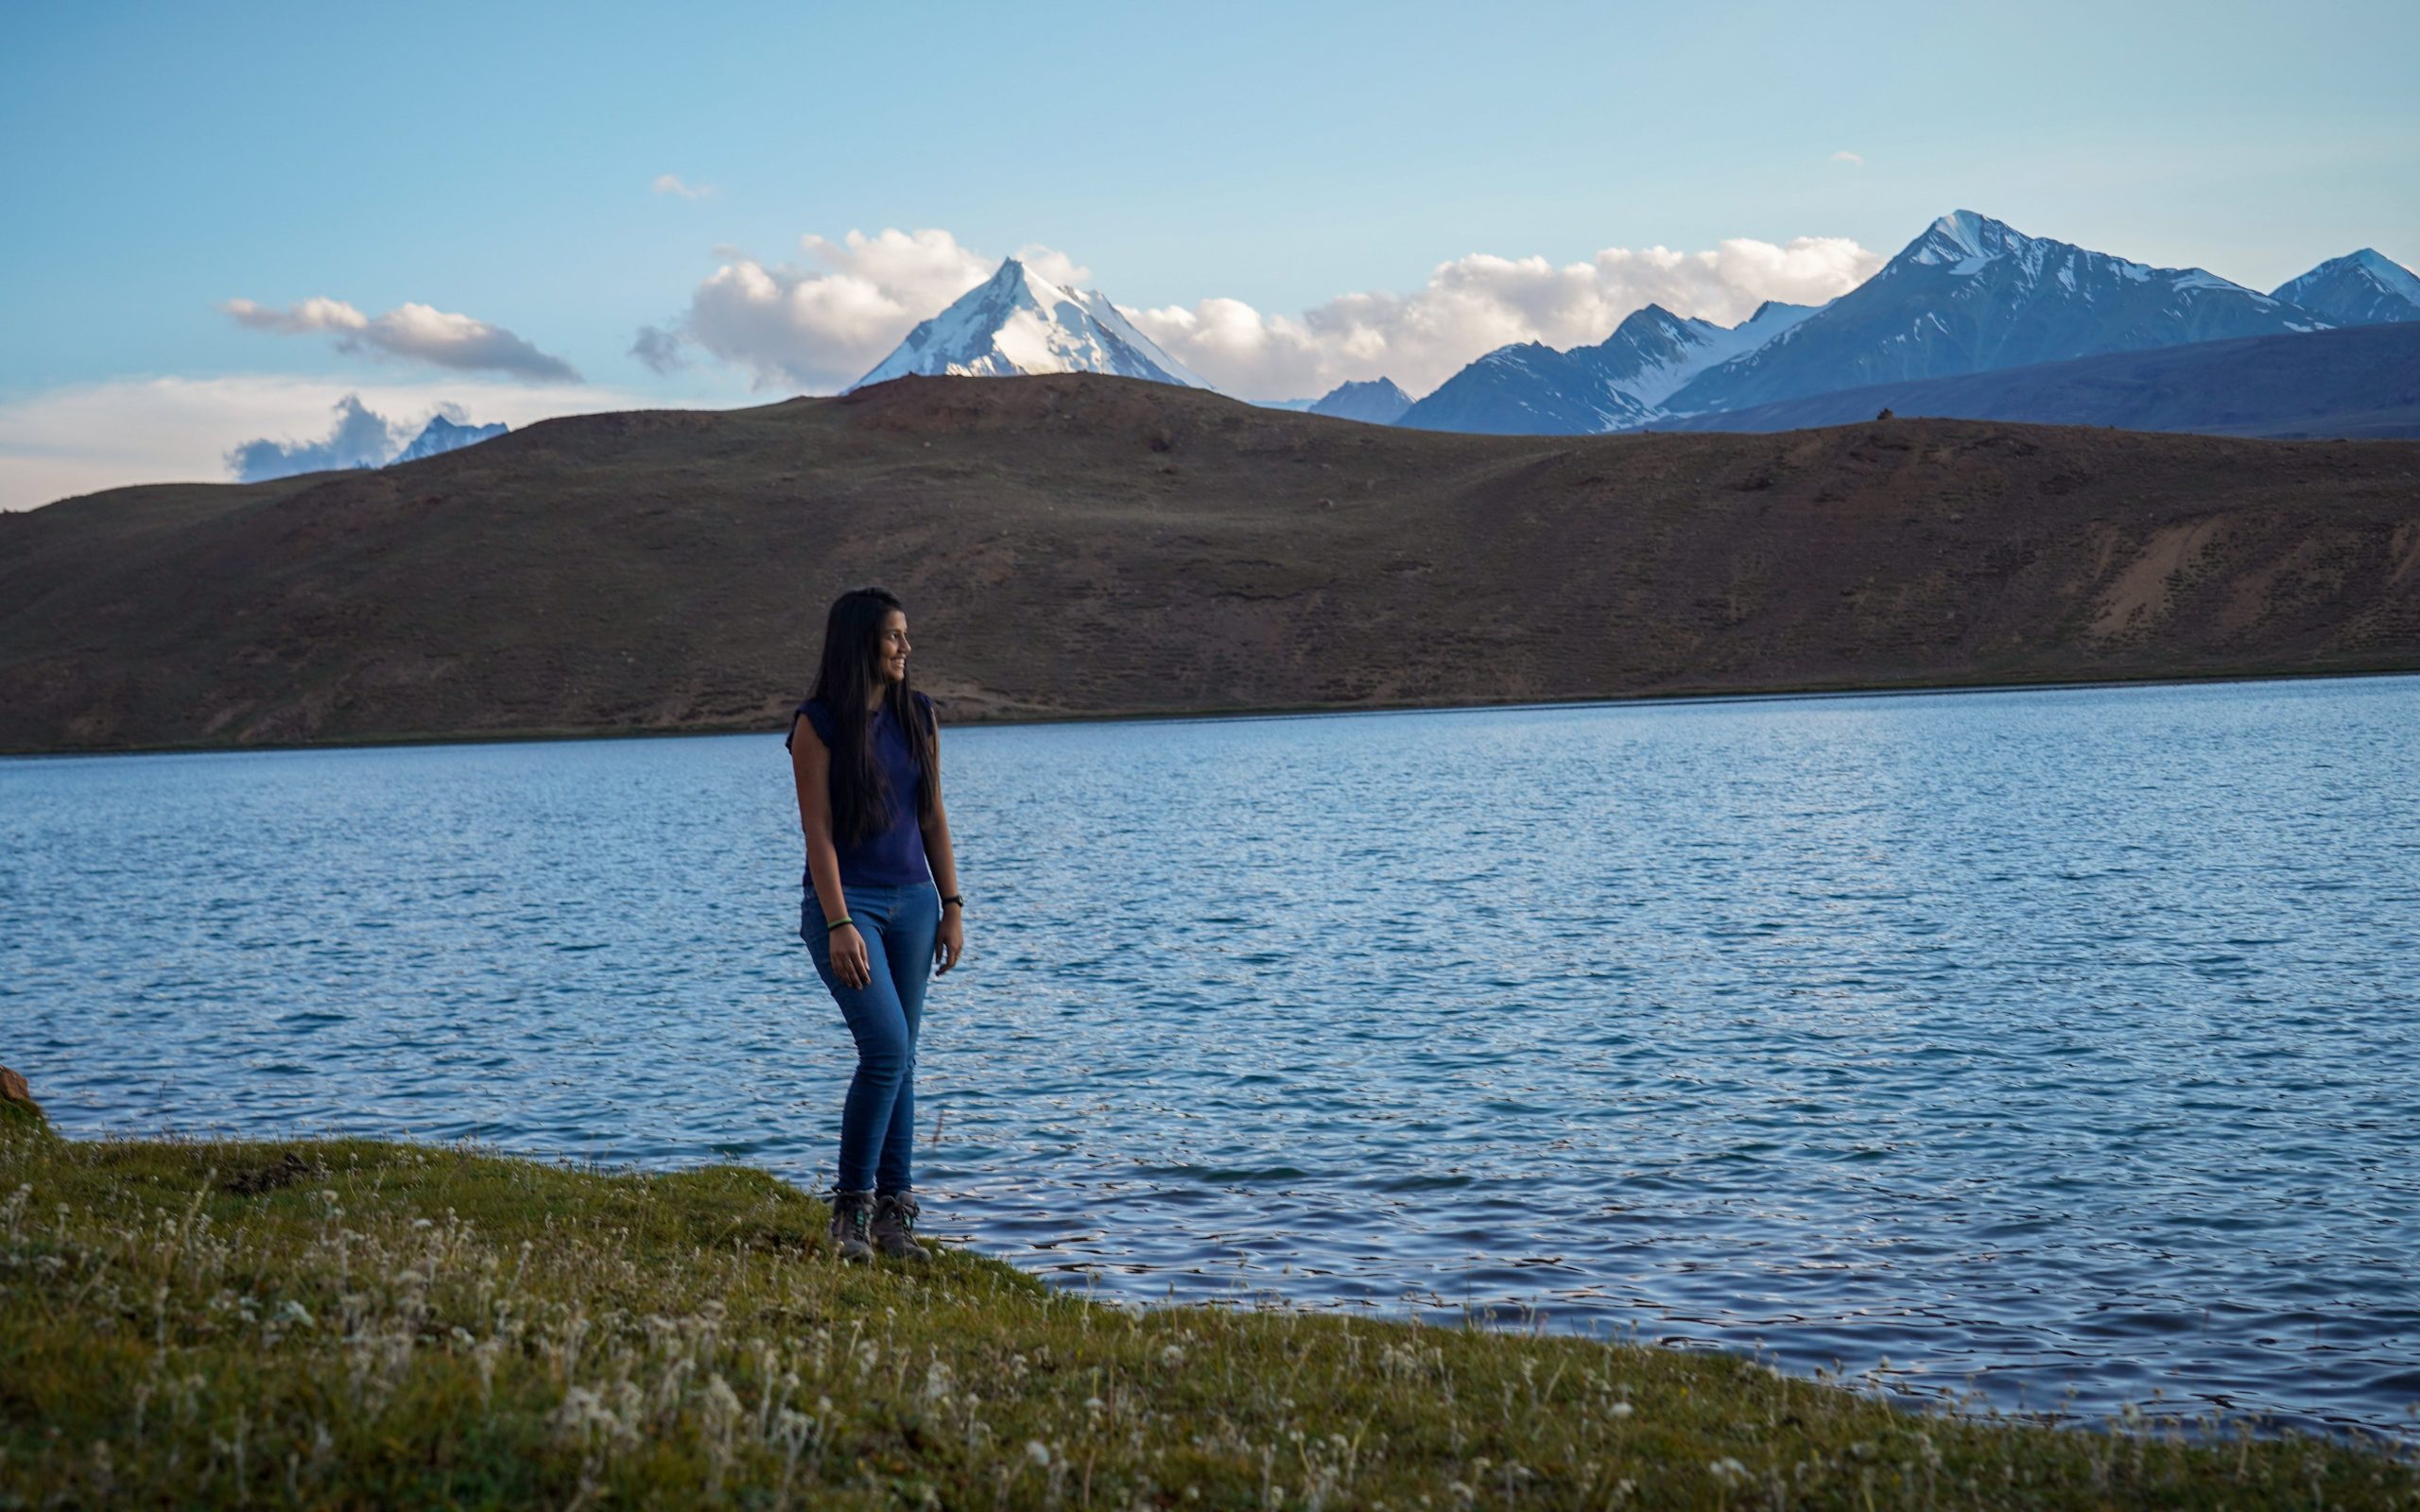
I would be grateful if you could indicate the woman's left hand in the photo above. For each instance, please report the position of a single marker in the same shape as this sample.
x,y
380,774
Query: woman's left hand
x,y
949,942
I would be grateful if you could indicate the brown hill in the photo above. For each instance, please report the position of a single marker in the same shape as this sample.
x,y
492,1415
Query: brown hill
x,y
1084,545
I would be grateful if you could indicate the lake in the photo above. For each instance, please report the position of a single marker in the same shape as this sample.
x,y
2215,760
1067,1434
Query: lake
x,y
2058,1046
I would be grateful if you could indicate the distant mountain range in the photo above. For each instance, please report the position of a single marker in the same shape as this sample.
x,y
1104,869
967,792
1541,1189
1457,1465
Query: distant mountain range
x,y
2361,383
1621,382
1970,297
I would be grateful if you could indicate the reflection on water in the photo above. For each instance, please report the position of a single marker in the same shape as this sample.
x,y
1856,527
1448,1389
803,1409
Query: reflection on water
x,y
2048,1041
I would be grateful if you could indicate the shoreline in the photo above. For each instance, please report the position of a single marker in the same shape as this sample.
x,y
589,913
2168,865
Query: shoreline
x,y
389,1322
1915,1393
1752,694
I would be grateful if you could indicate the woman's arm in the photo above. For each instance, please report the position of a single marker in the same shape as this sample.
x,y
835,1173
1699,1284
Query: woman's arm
x,y
811,768
949,943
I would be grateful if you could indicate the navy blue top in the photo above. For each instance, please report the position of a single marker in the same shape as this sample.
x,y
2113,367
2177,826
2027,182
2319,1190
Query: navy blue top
x,y
893,857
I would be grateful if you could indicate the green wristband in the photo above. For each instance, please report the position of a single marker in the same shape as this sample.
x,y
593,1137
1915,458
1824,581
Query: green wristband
x,y
835,923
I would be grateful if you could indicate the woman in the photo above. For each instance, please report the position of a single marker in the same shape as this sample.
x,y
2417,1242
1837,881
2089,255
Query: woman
x,y
865,752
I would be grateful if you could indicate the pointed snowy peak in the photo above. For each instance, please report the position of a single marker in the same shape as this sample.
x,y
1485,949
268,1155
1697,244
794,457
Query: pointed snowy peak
x,y
2361,288
1775,314
1967,242
1653,352
1655,317
1965,237
2387,270
442,434
1378,402
1017,321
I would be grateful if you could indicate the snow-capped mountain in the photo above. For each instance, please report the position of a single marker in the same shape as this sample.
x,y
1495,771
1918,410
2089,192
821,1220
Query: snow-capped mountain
x,y
443,435
1973,295
1621,382
1653,352
1019,323
1379,402
2361,289
1526,389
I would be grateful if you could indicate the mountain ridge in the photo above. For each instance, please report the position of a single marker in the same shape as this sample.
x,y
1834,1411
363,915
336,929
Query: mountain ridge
x,y
1973,294
1616,384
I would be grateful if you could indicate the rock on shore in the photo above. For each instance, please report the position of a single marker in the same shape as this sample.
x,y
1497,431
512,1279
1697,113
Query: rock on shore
x,y
17,1102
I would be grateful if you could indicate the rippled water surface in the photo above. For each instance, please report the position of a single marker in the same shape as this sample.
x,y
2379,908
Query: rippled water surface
x,y
2046,1041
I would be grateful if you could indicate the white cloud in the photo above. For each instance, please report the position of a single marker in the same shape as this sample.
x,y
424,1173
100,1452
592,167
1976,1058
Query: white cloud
x,y
669,184
1850,158
1055,267
178,430
1477,304
659,349
360,437
412,331
820,327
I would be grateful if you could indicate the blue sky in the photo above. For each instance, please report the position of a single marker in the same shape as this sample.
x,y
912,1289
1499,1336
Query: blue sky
x,y
497,163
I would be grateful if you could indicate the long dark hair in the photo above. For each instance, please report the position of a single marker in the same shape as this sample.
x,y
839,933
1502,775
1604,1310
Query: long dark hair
x,y
843,679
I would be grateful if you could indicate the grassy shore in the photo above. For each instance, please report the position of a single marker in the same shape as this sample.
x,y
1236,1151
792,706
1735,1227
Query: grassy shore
x,y
370,1324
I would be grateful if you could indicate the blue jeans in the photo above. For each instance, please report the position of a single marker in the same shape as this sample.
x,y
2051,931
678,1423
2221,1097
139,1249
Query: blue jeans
x,y
878,1121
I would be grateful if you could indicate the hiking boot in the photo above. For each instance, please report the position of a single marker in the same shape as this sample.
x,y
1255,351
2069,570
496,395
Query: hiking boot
x,y
895,1226
852,1216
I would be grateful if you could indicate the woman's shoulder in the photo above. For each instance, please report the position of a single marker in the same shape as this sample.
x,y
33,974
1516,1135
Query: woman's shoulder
x,y
924,708
816,714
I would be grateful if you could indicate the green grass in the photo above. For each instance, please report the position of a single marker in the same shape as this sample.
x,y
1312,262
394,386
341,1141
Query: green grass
x,y
369,1325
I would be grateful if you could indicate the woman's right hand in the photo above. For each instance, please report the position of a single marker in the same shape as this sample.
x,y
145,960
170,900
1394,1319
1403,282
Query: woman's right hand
x,y
849,961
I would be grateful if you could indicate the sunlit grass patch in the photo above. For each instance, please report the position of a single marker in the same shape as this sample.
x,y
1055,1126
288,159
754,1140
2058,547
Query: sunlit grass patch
x,y
361,1324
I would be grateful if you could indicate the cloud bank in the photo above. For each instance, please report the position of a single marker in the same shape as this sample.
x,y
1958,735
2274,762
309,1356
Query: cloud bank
x,y
361,438
669,184
1474,305
88,437
821,324
415,332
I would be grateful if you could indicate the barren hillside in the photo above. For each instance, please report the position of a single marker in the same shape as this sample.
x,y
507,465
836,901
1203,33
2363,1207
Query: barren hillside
x,y
1086,545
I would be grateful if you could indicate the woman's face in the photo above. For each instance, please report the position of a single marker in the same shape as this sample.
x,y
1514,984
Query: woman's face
x,y
891,648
